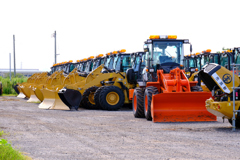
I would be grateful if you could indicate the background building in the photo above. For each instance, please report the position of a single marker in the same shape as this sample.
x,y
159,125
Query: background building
x,y
25,72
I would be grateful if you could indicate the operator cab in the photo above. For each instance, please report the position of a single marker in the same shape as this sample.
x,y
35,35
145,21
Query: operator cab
x,y
98,61
189,63
118,61
227,59
134,74
164,52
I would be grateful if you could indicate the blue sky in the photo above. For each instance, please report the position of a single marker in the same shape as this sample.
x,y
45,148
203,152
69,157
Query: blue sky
x,y
86,28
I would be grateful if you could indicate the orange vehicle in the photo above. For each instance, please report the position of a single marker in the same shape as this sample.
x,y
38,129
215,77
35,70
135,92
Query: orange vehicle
x,y
164,93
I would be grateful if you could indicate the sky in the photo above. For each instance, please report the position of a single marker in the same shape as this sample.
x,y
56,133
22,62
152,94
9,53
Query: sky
x,y
90,27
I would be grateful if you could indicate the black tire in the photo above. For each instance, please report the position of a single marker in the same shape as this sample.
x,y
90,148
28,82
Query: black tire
x,y
147,99
130,76
237,122
88,98
96,97
137,103
0,88
107,96
196,89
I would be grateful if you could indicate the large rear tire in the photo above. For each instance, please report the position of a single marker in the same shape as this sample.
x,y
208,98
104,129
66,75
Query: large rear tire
x,y
96,97
237,122
88,98
137,103
149,91
111,98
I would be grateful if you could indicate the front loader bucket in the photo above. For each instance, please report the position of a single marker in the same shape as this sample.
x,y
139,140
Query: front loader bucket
x,y
58,104
72,98
21,95
16,89
26,91
181,107
48,101
33,97
38,94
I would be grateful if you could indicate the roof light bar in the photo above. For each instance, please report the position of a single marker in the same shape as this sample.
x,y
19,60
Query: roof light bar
x,y
122,50
163,37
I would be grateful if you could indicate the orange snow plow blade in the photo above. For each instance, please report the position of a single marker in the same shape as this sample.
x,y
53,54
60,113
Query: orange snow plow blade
x,y
181,107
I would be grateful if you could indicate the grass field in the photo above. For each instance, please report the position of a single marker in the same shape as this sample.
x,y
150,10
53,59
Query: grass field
x,y
7,85
7,152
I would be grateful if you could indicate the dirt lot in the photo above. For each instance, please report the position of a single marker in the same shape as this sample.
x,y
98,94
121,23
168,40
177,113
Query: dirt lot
x,y
87,134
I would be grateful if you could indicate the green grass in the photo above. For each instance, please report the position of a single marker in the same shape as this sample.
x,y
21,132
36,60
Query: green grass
x,y
9,94
7,85
8,153
1,133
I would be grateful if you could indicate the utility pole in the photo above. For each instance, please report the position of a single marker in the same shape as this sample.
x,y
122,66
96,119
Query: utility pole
x,y
10,74
14,63
55,46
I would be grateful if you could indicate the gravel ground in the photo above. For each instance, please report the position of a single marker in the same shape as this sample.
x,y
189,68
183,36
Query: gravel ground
x,y
92,134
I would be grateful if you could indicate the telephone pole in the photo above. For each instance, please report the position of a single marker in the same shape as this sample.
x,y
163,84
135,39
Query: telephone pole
x,y
14,63
55,46
10,74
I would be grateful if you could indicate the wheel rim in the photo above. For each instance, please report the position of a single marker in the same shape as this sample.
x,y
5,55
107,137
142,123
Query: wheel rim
x,y
135,102
112,98
91,98
146,103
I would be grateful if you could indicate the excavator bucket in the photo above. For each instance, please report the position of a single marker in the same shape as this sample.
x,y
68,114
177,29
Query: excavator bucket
x,y
181,107
70,97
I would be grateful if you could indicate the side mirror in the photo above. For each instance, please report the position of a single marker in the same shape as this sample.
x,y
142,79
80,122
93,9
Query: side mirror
x,y
145,48
191,48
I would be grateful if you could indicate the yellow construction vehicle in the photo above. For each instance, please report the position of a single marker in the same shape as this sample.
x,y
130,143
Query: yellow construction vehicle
x,y
207,56
50,91
106,89
29,88
164,93
31,79
20,87
190,64
219,80
67,75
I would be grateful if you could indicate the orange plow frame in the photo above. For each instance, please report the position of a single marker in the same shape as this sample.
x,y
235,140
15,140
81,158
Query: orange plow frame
x,y
176,102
